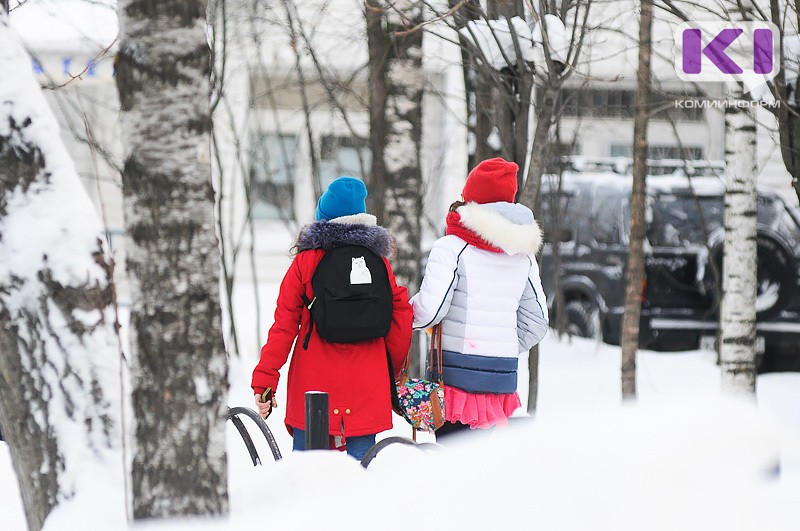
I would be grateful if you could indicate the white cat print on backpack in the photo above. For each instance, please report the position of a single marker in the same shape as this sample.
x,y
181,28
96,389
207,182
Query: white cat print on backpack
x,y
359,274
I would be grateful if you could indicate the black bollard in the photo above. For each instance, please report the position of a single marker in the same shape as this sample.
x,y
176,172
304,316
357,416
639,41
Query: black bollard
x,y
317,421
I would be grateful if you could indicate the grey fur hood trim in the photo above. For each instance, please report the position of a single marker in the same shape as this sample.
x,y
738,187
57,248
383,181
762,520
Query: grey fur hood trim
x,y
326,235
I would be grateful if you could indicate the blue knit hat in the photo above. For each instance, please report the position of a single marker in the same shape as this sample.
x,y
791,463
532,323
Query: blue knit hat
x,y
344,197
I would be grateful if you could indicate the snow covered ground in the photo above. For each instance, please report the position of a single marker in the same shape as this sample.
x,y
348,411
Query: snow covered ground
x,y
682,457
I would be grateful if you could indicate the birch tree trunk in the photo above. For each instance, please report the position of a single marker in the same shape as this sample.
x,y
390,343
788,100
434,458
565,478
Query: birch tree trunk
x,y
179,365
738,307
635,267
396,82
59,363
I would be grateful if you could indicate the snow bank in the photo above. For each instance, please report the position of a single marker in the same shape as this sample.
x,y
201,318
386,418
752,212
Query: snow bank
x,y
682,458
668,465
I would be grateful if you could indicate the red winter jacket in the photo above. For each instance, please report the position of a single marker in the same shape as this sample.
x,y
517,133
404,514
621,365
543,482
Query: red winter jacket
x,y
356,375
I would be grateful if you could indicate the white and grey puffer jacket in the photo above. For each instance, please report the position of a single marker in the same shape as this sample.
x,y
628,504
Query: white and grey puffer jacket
x,y
491,305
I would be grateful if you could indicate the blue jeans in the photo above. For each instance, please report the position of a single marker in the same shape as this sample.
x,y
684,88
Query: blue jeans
x,y
356,446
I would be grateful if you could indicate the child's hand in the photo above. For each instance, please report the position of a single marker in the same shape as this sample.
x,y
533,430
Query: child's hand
x,y
265,408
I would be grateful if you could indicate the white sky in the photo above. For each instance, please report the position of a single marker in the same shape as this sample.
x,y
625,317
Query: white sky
x,y
64,23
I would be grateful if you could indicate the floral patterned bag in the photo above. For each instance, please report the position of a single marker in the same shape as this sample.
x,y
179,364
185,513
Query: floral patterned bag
x,y
421,402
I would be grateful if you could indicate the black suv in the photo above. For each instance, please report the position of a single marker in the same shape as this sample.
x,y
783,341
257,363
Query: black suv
x,y
683,249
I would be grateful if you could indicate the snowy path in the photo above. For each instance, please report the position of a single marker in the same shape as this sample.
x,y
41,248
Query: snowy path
x,y
683,456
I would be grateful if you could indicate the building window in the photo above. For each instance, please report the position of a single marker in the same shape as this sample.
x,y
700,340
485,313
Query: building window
x,y
667,107
272,172
613,103
675,152
620,103
597,103
621,150
575,102
343,156
656,152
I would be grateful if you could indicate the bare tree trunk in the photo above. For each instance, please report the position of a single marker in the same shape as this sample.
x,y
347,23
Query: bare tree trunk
x,y
484,116
511,91
528,191
635,267
497,102
556,230
489,113
529,194
379,51
59,364
738,308
219,52
533,379
509,114
552,74
396,77
466,11
180,369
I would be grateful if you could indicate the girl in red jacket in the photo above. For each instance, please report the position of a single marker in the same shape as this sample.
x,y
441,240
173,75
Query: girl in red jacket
x,y
354,375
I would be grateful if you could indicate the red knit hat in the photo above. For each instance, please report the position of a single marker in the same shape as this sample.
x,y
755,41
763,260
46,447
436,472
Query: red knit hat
x,y
491,181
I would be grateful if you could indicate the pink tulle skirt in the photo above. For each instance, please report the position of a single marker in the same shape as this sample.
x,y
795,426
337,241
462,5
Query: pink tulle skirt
x,y
478,410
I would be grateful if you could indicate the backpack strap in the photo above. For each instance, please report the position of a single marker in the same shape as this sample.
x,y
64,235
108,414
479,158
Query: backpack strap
x,y
308,303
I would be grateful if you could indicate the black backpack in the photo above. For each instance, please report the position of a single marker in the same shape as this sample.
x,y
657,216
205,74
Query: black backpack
x,y
352,296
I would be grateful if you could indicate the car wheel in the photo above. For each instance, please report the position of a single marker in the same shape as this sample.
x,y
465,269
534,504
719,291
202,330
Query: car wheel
x,y
581,319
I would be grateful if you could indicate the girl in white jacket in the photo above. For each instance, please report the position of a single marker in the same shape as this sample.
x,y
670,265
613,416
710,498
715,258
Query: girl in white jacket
x,y
482,283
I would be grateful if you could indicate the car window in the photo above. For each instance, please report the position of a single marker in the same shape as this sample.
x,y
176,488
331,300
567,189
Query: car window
x,y
794,213
685,219
787,224
607,220
769,209
626,219
549,214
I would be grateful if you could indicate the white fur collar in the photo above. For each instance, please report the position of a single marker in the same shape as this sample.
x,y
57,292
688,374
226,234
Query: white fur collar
x,y
356,219
500,231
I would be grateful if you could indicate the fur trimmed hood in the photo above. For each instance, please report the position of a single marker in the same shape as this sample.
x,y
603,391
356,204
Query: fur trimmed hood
x,y
358,229
508,226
